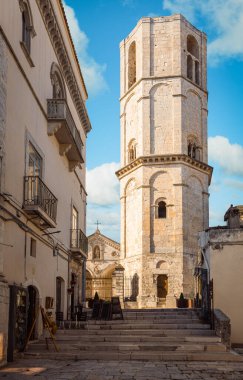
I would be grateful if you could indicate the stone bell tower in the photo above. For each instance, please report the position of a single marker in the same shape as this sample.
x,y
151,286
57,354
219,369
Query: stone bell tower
x,y
164,174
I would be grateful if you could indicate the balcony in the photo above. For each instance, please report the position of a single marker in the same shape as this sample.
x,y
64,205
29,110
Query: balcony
x,y
39,202
79,243
62,125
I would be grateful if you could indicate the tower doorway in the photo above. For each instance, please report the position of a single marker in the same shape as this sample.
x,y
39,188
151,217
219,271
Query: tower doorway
x,y
162,286
33,297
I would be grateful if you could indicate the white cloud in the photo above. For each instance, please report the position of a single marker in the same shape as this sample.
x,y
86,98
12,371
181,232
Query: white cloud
x,y
223,17
103,185
228,156
216,217
92,71
109,219
238,185
104,200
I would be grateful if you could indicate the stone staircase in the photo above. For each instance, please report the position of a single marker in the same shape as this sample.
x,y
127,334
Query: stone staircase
x,y
145,334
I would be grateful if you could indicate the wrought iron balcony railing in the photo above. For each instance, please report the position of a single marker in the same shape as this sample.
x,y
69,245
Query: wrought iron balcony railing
x,y
62,125
38,199
79,241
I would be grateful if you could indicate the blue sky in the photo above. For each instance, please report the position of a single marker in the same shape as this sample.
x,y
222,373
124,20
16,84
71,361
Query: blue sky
x,y
97,27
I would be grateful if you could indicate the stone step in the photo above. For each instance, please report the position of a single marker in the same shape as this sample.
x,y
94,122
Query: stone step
x,y
136,338
163,317
130,346
138,355
145,326
162,310
150,332
145,320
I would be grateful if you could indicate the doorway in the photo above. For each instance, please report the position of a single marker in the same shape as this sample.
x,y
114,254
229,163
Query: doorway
x,y
59,294
33,297
162,286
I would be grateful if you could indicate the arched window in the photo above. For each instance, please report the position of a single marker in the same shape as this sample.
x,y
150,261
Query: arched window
x,y
132,64
58,86
96,253
193,150
189,67
192,46
27,24
160,209
193,67
132,154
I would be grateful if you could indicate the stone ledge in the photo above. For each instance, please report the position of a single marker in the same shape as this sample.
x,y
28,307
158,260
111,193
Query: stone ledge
x,y
165,159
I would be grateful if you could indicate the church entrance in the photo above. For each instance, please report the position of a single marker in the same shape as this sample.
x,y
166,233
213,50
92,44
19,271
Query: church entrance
x,y
101,285
162,287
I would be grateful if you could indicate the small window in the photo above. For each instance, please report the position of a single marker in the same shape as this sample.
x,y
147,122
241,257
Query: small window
x,y
161,210
193,149
96,253
32,247
132,154
28,31
35,162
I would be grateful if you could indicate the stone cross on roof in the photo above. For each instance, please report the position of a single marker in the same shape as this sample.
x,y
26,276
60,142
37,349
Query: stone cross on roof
x,y
97,223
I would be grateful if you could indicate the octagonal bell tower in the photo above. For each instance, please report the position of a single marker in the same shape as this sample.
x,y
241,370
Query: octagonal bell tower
x,y
164,174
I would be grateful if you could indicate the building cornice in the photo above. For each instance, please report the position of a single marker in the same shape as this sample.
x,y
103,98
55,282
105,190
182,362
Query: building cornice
x,y
167,159
59,47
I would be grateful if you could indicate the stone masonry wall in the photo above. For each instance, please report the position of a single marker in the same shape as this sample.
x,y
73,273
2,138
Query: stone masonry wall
x,y
4,290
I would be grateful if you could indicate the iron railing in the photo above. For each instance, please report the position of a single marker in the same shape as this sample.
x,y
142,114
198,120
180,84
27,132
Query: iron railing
x,y
79,240
57,109
36,193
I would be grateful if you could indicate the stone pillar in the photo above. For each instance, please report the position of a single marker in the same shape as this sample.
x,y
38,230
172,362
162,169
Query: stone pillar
x,y
118,283
4,290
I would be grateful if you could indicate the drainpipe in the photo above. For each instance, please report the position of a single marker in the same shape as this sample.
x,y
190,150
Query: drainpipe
x,y
84,282
68,283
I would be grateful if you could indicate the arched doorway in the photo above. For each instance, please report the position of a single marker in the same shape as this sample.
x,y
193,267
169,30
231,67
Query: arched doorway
x,y
59,294
162,286
33,297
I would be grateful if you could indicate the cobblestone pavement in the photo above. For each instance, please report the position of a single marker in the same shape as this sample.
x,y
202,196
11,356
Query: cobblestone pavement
x,y
120,370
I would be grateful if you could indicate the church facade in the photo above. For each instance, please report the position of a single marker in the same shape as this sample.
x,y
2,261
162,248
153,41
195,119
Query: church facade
x,y
164,175
104,274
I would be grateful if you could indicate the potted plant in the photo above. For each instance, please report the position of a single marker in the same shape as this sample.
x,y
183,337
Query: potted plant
x,y
182,302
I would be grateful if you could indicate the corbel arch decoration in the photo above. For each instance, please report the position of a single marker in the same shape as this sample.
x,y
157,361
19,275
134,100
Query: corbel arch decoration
x,y
28,30
58,85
